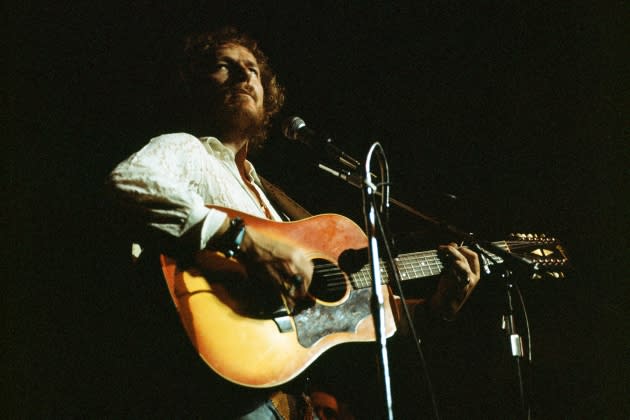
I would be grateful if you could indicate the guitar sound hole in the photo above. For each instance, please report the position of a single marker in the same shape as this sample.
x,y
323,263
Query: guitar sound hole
x,y
329,282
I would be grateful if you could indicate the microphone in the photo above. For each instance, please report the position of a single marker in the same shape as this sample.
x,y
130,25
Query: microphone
x,y
294,128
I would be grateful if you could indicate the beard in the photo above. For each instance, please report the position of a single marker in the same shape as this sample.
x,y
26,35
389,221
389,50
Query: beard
x,y
238,121
231,116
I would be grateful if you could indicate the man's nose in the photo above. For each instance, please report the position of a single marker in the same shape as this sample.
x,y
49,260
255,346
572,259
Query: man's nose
x,y
241,73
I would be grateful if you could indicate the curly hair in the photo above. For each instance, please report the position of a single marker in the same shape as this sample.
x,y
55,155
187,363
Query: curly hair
x,y
198,50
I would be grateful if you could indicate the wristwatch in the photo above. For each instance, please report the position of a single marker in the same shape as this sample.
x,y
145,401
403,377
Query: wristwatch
x,y
229,244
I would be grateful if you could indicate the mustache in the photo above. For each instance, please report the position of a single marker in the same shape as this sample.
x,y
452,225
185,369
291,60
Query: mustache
x,y
247,90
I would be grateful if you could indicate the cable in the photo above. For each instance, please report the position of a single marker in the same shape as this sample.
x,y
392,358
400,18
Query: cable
x,y
526,321
395,275
528,408
383,232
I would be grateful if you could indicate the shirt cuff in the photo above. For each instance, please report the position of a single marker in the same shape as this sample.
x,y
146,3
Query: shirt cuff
x,y
213,221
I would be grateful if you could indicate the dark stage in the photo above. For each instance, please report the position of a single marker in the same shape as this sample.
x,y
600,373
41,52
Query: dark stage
x,y
498,117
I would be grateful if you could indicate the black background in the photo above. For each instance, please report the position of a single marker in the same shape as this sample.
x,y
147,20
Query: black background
x,y
519,109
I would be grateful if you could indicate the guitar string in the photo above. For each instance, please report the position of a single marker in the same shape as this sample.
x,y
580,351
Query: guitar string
x,y
424,263
335,278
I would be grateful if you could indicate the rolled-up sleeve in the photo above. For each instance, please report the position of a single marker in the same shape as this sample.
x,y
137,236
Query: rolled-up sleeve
x,y
159,188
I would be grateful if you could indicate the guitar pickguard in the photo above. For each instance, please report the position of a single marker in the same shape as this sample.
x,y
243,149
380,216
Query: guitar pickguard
x,y
318,321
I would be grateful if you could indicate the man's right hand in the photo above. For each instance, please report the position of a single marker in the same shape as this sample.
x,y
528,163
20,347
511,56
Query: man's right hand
x,y
286,267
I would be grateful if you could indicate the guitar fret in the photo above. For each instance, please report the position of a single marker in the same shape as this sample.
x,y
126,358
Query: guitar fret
x,y
422,264
415,265
410,266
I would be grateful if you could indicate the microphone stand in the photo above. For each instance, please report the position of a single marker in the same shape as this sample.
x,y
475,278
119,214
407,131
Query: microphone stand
x,y
516,343
377,301
508,322
357,181
371,217
485,249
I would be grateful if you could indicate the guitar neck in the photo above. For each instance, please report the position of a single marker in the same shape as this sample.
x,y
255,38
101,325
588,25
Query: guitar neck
x,y
412,266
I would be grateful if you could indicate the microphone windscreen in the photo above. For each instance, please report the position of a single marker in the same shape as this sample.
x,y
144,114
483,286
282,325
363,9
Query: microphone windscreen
x,y
291,126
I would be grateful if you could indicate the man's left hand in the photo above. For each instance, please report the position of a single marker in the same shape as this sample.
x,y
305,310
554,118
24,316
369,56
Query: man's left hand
x,y
457,281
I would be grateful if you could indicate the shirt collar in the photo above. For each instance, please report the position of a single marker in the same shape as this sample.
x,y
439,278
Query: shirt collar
x,y
218,148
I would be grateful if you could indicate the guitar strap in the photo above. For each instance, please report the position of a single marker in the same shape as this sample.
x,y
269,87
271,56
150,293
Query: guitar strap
x,y
283,202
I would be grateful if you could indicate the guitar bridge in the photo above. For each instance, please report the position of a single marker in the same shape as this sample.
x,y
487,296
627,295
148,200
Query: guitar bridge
x,y
282,319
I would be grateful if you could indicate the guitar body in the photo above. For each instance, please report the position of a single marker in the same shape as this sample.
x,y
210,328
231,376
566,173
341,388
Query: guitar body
x,y
243,331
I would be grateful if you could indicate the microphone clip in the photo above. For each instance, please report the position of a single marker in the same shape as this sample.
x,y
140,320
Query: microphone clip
x,y
345,175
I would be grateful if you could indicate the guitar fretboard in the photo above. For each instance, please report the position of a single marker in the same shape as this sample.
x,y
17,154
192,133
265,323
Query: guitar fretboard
x,y
411,266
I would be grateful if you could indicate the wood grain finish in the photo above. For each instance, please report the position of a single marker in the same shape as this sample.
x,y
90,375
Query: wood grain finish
x,y
238,338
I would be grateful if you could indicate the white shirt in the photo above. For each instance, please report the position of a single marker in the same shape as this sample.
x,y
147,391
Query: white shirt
x,y
169,182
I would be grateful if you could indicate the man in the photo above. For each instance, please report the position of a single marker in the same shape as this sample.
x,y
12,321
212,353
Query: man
x,y
166,186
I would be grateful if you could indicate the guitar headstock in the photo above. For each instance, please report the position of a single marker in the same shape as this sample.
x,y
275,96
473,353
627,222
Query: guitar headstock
x,y
545,251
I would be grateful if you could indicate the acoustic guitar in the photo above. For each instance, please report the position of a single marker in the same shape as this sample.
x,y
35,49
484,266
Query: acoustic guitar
x,y
245,333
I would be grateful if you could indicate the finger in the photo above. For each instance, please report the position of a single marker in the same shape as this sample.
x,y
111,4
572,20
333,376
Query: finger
x,y
460,264
455,258
297,280
455,262
298,285
290,303
449,251
473,261
463,254
302,267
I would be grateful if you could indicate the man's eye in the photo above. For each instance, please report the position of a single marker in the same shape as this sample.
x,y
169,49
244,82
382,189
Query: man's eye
x,y
254,71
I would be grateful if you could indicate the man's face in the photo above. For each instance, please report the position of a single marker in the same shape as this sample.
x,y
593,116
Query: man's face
x,y
325,405
235,89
